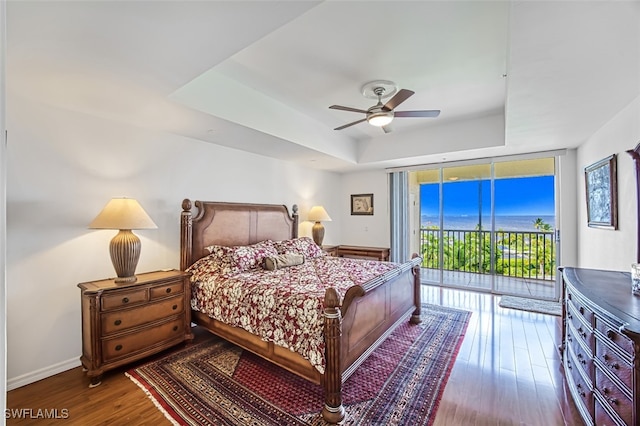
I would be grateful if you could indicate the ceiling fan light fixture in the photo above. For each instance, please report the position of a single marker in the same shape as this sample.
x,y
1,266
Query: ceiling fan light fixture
x,y
380,119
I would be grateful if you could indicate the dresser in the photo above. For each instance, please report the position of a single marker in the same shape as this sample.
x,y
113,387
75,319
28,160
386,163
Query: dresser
x,y
358,252
122,323
601,344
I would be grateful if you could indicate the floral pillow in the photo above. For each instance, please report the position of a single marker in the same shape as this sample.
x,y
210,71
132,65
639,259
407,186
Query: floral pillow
x,y
236,259
216,263
251,257
303,245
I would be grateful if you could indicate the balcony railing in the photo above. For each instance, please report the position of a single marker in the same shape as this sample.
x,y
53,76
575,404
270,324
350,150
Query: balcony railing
x,y
508,253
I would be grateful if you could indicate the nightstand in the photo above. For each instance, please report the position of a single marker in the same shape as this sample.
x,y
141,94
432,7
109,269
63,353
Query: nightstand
x,y
360,252
331,250
125,322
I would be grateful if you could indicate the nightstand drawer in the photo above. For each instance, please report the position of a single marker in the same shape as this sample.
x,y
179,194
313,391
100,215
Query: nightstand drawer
x,y
121,299
166,290
121,347
122,320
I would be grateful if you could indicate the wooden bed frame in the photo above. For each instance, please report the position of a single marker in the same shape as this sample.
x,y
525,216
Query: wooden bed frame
x,y
354,326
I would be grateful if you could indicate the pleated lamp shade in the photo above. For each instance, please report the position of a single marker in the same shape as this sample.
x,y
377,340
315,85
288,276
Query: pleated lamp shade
x,y
124,214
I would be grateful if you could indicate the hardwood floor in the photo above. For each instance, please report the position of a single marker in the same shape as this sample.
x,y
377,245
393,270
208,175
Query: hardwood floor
x,y
508,370
507,373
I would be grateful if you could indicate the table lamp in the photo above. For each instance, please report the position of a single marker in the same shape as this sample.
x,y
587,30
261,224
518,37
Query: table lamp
x,y
318,214
124,214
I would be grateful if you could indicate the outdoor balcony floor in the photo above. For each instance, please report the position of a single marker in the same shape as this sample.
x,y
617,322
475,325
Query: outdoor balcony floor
x,y
524,287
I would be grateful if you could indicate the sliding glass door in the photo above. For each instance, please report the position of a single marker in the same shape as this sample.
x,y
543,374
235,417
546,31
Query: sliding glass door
x,y
489,226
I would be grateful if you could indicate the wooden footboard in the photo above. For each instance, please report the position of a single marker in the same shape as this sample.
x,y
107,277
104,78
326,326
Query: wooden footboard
x,y
357,325
354,326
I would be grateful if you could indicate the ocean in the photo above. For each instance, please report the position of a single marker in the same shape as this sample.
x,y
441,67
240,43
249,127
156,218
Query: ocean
x,y
503,222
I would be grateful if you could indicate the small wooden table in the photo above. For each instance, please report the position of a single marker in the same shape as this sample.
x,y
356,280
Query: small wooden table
x,y
359,252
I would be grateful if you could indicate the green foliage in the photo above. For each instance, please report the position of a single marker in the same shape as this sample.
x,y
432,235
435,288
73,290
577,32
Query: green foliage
x,y
516,254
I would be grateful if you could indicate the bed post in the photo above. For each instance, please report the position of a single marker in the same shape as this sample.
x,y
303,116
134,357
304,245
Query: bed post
x,y
294,216
333,411
417,299
186,234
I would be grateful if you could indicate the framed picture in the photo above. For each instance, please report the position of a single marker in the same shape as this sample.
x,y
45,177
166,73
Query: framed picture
x,y
362,204
602,193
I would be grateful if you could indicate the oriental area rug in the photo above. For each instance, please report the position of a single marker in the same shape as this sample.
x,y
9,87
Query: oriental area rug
x,y
217,383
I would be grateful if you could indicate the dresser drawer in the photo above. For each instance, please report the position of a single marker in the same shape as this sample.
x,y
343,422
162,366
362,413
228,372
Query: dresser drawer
x,y
582,331
579,308
119,299
123,346
583,389
166,290
615,398
124,319
582,356
614,337
613,363
603,418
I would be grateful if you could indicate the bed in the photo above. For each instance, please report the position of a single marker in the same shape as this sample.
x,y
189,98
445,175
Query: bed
x,y
354,321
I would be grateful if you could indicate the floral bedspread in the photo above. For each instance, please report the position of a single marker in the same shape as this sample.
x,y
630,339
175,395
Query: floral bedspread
x,y
284,306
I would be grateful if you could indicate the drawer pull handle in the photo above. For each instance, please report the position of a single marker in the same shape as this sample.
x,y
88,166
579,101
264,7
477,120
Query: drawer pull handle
x,y
615,365
569,366
611,400
117,322
169,290
570,338
175,328
125,300
581,310
174,307
570,316
580,391
581,359
611,334
582,333
118,347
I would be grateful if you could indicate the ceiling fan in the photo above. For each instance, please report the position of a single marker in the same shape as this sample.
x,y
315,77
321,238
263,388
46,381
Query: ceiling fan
x,y
381,115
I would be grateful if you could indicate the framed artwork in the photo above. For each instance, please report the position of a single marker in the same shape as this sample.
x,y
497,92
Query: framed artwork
x,y
602,193
362,204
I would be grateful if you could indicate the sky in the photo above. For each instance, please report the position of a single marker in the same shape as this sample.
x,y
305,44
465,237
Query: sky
x,y
515,196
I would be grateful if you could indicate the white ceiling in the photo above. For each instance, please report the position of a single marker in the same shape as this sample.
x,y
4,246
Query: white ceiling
x,y
509,77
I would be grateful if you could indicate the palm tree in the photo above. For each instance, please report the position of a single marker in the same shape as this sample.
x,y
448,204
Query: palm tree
x,y
540,225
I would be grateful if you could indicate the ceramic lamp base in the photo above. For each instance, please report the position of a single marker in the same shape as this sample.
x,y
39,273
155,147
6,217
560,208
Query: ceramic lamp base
x,y
125,253
317,231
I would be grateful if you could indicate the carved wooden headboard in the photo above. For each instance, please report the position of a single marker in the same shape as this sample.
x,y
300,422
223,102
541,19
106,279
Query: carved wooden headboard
x,y
231,224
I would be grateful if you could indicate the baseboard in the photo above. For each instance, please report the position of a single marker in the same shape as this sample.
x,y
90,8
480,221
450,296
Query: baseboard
x,y
43,373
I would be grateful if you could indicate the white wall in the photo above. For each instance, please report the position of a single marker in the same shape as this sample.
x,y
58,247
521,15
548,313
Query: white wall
x,y
365,230
64,166
604,248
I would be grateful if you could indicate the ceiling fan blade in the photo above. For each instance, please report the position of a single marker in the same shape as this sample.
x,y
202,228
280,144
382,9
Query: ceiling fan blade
x,y
400,97
344,108
426,113
350,124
